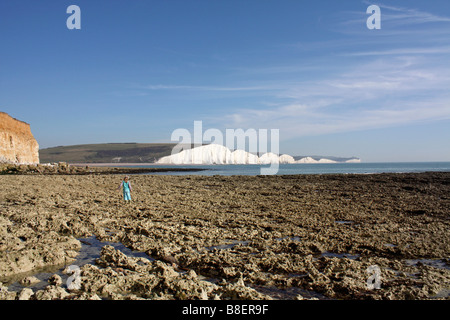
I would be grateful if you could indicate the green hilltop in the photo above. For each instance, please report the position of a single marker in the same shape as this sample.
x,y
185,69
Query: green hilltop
x,y
106,153
122,153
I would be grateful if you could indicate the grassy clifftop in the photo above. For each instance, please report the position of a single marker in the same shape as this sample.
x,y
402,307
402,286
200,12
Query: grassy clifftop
x,y
121,153
106,153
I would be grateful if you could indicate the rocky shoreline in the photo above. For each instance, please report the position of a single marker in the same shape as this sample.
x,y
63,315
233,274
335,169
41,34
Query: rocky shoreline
x,y
63,168
236,237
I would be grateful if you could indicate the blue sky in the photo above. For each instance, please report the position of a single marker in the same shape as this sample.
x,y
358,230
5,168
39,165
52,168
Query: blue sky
x,y
137,70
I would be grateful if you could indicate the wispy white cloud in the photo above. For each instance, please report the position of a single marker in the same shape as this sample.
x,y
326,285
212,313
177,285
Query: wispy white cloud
x,y
311,121
402,51
393,78
208,88
385,92
395,20
408,16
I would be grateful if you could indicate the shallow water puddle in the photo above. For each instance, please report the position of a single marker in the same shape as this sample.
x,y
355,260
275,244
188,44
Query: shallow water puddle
x,y
42,274
436,263
340,255
344,222
277,293
91,248
234,243
227,245
90,251
444,293
290,293
290,238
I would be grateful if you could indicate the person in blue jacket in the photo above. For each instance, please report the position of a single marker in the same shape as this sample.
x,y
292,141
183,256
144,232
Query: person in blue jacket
x,y
126,185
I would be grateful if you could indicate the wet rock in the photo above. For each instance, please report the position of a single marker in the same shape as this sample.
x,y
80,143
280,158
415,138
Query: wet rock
x,y
51,292
43,250
239,291
5,294
55,280
112,257
25,294
28,281
272,231
86,296
154,279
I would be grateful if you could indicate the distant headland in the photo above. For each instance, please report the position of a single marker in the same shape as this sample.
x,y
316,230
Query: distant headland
x,y
160,153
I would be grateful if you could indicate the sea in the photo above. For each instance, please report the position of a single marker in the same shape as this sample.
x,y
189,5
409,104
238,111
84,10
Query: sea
x,y
305,168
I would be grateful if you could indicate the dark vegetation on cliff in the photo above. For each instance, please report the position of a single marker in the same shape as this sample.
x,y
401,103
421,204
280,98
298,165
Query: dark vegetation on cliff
x,y
107,153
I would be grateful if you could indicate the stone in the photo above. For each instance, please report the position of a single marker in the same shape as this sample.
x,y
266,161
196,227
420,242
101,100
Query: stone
x,y
5,294
52,293
55,280
28,281
25,294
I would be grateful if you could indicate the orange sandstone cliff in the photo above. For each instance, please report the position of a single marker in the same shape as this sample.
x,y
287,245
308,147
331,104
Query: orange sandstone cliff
x,y
17,144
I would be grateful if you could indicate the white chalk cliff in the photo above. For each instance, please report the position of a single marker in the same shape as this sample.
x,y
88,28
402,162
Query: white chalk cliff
x,y
218,154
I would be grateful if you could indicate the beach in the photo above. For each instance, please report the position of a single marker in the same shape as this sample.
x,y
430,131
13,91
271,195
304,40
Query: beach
x,y
229,237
